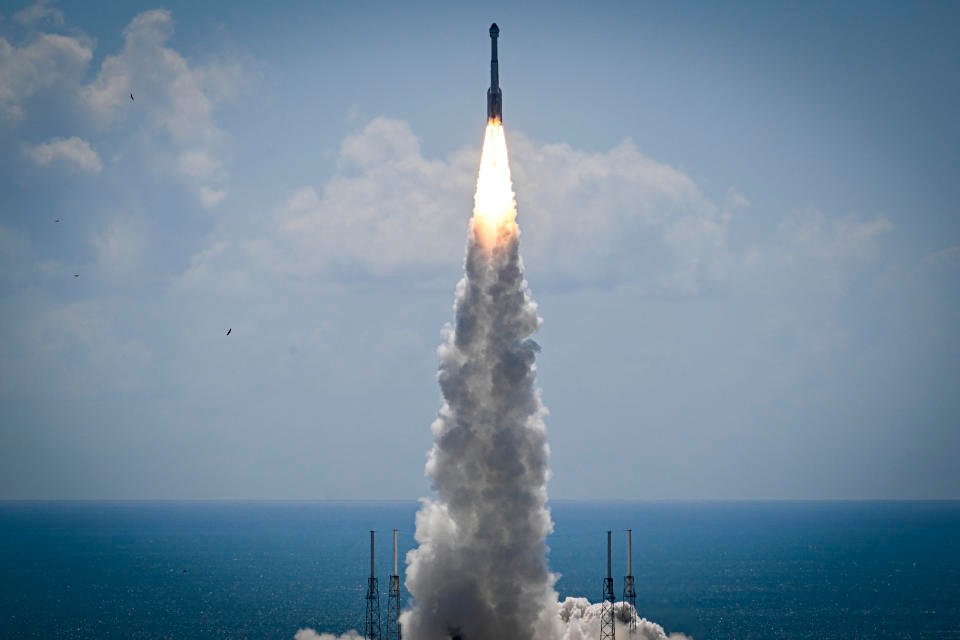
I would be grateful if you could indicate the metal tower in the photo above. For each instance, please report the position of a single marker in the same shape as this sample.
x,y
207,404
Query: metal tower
x,y
629,594
607,628
393,599
373,601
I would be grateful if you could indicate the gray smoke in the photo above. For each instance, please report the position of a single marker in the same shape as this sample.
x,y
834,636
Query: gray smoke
x,y
581,621
481,565
574,619
480,571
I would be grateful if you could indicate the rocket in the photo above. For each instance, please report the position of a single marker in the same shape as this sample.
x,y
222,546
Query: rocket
x,y
494,97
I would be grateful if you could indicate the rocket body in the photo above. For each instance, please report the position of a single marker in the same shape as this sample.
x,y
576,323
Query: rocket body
x,y
494,96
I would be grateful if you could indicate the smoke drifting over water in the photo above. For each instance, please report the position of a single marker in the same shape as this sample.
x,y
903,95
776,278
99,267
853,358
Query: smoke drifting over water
x,y
573,619
481,564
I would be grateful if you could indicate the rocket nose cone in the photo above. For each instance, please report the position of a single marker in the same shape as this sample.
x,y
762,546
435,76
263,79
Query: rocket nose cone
x,y
494,30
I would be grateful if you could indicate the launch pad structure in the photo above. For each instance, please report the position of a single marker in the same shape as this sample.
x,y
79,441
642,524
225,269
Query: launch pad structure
x,y
372,617
629,593
607,624
392,630
393,598
372,623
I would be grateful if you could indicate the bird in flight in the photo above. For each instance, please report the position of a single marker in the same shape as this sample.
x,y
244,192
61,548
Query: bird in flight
x,y
229,330
76,275
131,97
57,220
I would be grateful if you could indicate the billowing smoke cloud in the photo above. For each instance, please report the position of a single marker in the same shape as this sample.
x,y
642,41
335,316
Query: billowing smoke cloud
x,y
481,565
480,571
576,619
580,620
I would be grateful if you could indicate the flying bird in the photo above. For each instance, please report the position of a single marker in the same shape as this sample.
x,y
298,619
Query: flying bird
x,y
76,275
229,330
131,97
57,220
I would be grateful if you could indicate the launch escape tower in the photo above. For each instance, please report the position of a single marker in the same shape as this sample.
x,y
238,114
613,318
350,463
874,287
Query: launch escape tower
x,y
607,629
373,601
629,594
393,599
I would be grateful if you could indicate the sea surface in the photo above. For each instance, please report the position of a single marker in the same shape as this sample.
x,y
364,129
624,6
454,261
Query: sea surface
x,y
205,570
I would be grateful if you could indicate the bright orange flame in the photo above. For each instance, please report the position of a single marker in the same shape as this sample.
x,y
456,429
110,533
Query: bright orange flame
x,y
494,207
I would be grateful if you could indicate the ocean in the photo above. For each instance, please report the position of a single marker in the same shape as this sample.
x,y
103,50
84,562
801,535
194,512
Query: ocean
x,y
712,570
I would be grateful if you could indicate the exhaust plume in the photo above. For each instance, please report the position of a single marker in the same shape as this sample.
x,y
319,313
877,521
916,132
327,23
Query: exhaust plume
x,y
480,570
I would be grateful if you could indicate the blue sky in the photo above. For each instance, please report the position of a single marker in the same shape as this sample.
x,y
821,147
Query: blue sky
x,y
740,222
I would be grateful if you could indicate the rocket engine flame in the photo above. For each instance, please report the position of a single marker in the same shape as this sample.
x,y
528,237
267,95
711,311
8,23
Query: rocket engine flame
x,y
494,205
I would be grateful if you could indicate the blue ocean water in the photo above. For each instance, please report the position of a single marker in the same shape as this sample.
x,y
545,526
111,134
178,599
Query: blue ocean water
x,y
204,570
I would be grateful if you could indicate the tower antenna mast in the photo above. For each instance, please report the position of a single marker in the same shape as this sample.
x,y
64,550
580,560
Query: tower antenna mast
x,y
373,600
629,593
607,628
393,598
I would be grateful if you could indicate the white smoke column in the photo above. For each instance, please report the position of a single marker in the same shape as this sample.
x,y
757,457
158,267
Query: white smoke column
x,y
481,565
480,571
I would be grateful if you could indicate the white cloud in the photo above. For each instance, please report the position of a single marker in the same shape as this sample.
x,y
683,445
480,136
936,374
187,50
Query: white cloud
x,y
84,346
389,207
74,152
213,270
173,105
811,253
614,216
211,197
833,240
38,13
934,276
587,214
143,40
119,246
20,263
175,99
198,163
15,255
49,60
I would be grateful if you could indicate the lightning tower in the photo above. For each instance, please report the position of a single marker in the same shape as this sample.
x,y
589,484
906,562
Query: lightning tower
x,y
629,593
607,629
373,601
393,599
